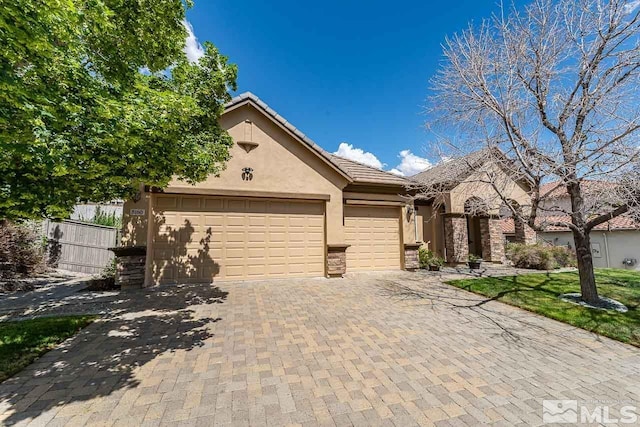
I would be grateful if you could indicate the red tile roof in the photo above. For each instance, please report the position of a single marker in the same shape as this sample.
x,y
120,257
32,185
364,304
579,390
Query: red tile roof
x,y
622,222
557,189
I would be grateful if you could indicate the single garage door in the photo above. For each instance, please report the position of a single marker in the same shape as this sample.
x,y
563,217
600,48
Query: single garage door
x,y
374,235
198,239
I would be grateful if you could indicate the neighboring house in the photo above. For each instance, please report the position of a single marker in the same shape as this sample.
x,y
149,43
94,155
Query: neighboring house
x,y
283,207
615,243
447,224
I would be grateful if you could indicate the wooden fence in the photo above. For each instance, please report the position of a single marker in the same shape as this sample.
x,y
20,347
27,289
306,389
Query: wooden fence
x,y
78,246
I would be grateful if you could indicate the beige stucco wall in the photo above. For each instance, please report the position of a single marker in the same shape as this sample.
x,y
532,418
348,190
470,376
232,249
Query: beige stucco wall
x,y
408,225
431,229
134,228
280,163
614,246
555,206
474,186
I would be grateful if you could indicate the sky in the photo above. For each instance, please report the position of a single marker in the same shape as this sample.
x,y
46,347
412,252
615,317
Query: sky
x,y
352,75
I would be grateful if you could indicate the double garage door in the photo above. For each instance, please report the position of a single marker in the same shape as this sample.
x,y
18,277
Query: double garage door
x,y
200,239
197,239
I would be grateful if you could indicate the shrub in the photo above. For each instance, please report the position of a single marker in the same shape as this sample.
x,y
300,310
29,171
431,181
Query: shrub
x,y
101,217
474,258
424,256
427,258
21,251
564,257
539,257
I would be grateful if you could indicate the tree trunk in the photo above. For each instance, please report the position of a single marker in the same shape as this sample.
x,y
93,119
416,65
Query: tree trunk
x,y
582,241
585,268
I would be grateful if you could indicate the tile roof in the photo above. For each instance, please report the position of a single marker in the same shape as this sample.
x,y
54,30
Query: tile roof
x,y
507,226
622,222
557,190
452,172
357,172
366,174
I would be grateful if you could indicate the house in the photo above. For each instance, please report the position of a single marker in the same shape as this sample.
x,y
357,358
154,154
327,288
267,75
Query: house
x,y
615,243
283,207
447,223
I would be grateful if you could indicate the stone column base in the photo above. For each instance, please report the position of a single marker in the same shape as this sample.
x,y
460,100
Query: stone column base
x,y
456,239
130,266
411,258
336,260
492,240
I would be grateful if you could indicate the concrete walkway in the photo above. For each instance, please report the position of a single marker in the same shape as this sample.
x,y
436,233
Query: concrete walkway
x,y
58,293
372,349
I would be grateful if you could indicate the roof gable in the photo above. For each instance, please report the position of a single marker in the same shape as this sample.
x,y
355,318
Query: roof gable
x,y
448,175
352,171
250,98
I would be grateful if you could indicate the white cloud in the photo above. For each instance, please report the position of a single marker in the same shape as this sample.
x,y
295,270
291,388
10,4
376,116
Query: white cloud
x,y
410,164
192,47
348,151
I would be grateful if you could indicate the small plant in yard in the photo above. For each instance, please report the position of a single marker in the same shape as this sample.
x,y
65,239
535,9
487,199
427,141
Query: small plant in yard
x,y
436,263
101,217
424,255
106,281
474,261
21,251
429,260
539,256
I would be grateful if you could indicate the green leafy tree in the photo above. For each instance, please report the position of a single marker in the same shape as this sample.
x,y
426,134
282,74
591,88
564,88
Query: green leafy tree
x,y
97,97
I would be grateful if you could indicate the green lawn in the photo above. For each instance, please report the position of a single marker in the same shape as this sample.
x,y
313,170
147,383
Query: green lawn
x,y
22,342
539,293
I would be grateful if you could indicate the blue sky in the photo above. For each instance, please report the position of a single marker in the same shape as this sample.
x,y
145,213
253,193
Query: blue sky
x,y
341,71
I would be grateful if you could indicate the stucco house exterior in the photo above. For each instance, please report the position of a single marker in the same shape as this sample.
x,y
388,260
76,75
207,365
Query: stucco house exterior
x,y
283,207
448,226
614,244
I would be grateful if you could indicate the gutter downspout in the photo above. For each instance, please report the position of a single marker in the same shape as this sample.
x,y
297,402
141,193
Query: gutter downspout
x,y
606,248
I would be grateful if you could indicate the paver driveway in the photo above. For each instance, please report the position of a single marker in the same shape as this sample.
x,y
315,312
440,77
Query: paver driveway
x,y
390,348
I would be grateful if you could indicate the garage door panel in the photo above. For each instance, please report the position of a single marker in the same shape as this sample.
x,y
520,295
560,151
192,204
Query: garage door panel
x,y
166,201
257,221
202,238
373,234
191,203
239,205
216,253
214,205
257,206
277,237
236,221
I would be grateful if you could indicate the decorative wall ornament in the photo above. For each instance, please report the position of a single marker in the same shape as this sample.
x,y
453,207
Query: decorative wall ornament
x,y
247,145
247,174
247,142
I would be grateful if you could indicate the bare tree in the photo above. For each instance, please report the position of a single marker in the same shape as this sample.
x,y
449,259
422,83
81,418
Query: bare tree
x,y
551,92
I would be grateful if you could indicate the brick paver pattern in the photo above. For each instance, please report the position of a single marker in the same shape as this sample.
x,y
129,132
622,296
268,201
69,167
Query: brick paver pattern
x,y
374,349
